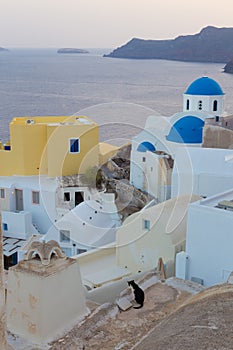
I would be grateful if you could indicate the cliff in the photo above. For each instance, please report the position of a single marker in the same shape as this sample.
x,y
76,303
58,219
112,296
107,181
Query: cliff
x,y
211,44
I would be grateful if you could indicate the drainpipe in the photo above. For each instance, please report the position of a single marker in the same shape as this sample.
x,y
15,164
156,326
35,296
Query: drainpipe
x,y
3,340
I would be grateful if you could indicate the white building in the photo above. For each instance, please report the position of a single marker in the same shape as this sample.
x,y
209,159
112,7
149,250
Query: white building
x,y
204,94
208,258
156,231
202,171
91,224
75,217
163,136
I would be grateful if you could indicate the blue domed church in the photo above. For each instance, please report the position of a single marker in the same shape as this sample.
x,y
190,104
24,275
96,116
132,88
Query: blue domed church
x,y
154,149
204,94
202,99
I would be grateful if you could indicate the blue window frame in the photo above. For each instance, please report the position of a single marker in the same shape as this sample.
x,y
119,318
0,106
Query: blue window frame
x,y
74,146
5,226
147,224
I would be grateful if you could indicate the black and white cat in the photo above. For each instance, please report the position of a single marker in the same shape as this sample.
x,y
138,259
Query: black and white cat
x,y
138,294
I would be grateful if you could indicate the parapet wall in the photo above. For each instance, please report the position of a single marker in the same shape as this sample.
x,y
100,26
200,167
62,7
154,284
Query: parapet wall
x,y
217,137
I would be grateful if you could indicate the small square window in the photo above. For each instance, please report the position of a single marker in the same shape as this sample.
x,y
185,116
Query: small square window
x,y
64,236
35,197
66,196
147,224
74,146
5,227
2,193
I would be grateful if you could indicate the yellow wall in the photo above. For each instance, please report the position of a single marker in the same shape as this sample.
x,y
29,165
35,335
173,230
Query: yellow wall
x,y
107,151
60,160
42,147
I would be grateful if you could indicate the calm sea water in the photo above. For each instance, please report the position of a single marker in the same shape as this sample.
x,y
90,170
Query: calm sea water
x,y
118,94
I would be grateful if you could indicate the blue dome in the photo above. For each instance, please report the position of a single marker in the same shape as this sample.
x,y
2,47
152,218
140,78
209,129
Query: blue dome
x,y
186,130
146,146
204,86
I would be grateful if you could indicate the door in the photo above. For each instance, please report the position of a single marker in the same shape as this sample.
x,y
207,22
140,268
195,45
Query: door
x,y
18,200
79,197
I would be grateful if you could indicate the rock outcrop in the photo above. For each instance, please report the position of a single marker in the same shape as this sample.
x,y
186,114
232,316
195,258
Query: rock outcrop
x,y
113,177
210,45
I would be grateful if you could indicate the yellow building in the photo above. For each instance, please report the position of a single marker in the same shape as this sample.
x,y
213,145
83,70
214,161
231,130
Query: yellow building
x,y
52,145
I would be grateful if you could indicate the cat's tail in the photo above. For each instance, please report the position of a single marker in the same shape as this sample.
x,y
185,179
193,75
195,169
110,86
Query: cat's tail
x,y
138,307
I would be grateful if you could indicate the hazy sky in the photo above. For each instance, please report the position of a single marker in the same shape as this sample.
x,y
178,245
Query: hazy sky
x,y
105,23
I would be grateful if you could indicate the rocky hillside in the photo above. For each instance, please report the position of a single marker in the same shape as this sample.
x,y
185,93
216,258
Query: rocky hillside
x,y
210,45
172,318
203,322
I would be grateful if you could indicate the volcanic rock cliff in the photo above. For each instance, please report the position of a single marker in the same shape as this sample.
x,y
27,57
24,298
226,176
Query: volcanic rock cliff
x,y
210,45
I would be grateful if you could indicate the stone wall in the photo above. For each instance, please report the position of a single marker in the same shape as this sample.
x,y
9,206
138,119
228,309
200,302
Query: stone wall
x,y
217,137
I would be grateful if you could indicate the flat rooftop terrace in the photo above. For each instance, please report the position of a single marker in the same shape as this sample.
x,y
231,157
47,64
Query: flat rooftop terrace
x,y
99,267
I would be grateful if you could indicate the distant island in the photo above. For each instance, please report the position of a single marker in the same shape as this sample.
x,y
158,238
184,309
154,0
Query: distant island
x,y
211,44
71,50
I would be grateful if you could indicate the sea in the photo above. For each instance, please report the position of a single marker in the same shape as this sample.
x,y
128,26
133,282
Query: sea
x,y
119,94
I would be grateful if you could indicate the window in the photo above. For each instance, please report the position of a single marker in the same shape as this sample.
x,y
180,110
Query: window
x,y
19,200
147,224
64,236
143,159
35,197
67,251
187,105
217,118
2,193
200,105
10,260
66,196
4,226
74,146
80,251
215,105
79,197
